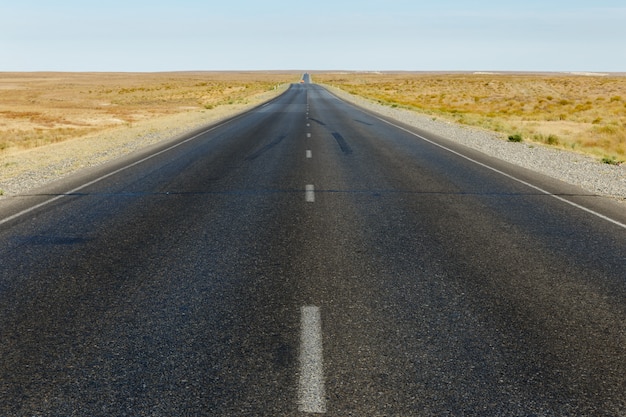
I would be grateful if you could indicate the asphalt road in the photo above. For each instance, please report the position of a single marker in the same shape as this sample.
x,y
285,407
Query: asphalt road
x,y
309,257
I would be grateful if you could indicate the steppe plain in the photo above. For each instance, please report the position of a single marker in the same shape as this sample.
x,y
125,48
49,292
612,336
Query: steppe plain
x,y
581,112
52,124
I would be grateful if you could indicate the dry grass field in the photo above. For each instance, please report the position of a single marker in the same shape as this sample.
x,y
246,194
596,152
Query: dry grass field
x,y
42,108
580,112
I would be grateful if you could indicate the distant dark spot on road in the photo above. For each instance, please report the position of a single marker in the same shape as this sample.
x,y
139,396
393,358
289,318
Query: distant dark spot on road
x,y
317,121
265,148
345,148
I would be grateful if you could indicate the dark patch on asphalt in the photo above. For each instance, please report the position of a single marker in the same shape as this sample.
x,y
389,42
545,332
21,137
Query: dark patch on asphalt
x,y
345,148
318,121
265,148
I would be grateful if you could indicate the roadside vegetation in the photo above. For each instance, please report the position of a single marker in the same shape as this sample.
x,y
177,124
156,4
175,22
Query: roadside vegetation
x,y
37,109
579,112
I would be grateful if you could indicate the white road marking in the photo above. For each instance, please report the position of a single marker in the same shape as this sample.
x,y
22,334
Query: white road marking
x,y
308,135
309,194
309,154
534,187
311,392
308,125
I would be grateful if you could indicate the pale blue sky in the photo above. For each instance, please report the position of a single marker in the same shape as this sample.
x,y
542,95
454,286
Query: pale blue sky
x,y
157,35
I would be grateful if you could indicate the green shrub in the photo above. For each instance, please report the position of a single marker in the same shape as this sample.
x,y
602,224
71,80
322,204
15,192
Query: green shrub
x,y
515,138
548,140
611,160
552,140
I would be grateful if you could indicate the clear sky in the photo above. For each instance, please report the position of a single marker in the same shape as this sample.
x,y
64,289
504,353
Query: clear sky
x,y
375,35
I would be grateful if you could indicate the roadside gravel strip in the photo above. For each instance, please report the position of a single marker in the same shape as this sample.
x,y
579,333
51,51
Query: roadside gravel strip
x,y
570,167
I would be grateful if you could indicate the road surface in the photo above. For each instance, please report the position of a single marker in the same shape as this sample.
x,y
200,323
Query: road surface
x,y
308,258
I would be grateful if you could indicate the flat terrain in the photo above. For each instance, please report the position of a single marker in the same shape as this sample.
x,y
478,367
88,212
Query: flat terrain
x,y
52,124
585,113
41,108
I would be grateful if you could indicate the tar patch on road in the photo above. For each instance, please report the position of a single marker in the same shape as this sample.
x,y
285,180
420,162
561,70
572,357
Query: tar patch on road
x,y
345,148
265,148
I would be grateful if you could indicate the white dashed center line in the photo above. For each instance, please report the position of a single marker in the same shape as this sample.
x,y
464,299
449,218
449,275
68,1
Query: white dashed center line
x,y
311,393
309,194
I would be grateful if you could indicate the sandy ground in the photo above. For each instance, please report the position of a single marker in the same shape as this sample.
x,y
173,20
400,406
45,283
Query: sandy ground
x,y
23,170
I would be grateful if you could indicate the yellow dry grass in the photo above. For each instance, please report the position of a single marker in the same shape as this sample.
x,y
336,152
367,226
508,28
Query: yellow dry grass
x,y
38,109
584,113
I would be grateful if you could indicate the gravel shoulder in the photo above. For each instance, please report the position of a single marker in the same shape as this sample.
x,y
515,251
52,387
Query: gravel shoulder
x,y
570,167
